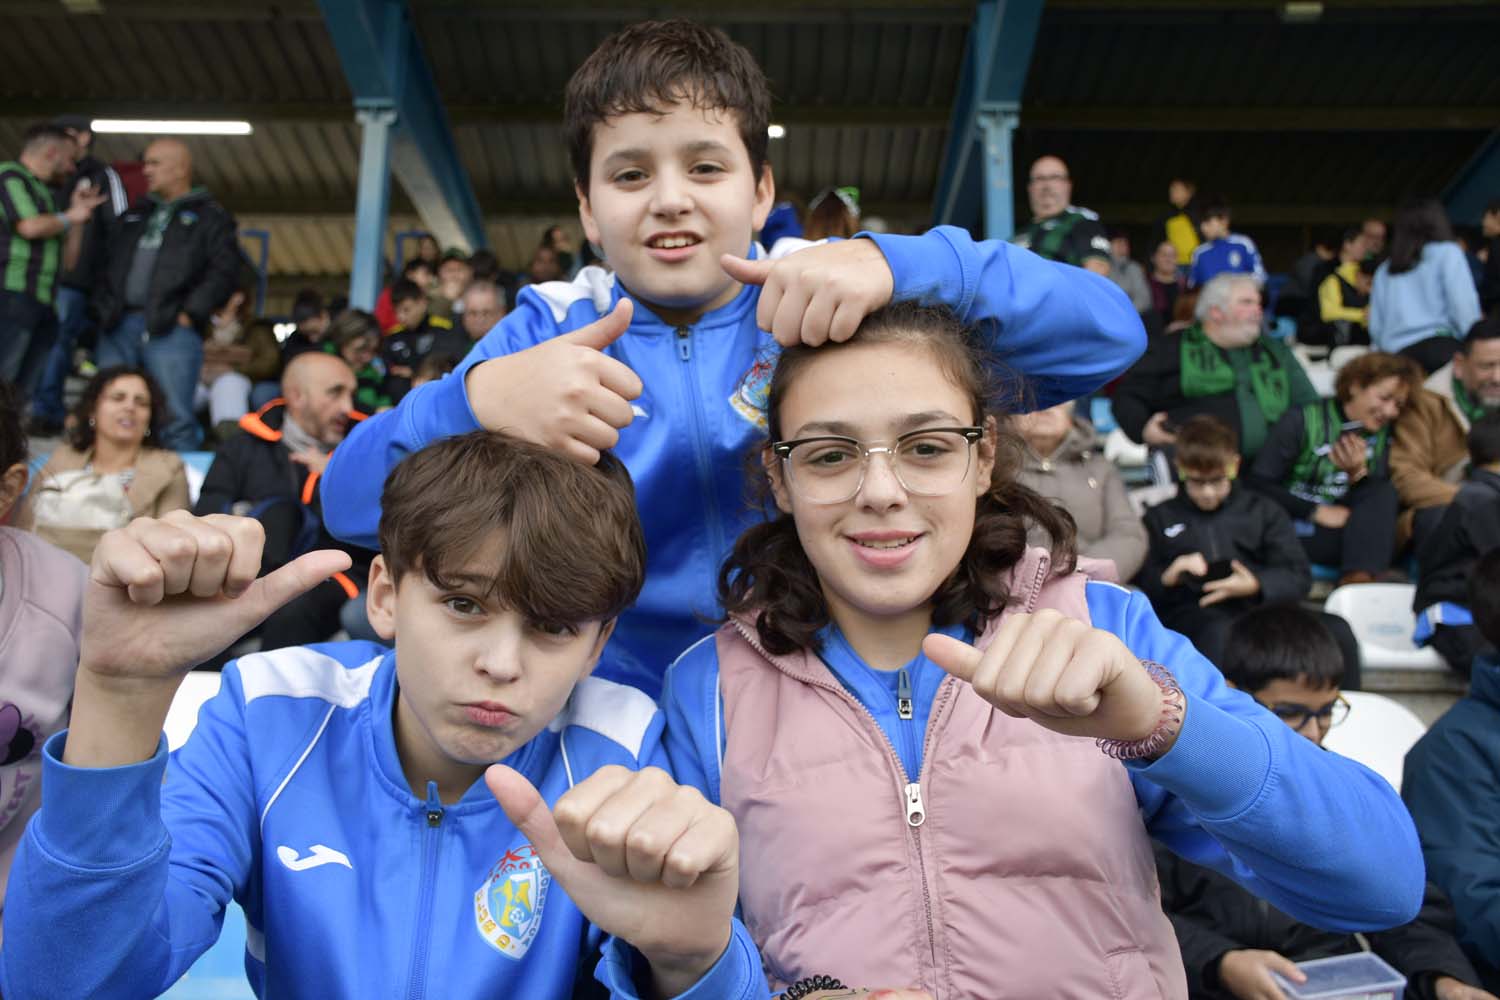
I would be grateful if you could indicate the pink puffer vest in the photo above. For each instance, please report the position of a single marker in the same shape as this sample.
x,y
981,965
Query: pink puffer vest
x,y
1030,874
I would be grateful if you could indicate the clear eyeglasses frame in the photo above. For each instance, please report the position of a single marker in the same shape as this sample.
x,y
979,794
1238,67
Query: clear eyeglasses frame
x,y
932,461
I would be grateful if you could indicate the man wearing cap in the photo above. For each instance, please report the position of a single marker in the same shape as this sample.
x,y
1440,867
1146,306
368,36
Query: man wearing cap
x,y
36,242
76,283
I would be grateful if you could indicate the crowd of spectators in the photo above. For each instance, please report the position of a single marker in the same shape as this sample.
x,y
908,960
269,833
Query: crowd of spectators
x,y
1393,475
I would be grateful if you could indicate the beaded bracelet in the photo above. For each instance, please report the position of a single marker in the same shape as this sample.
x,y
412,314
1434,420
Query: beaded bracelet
x,y
1174,705
805,987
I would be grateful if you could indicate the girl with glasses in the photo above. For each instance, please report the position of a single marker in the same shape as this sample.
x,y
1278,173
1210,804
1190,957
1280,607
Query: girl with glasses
x,y
919,722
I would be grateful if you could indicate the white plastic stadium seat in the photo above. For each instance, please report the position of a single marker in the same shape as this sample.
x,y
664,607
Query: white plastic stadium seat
x,y
197,687
1380,615
1377,734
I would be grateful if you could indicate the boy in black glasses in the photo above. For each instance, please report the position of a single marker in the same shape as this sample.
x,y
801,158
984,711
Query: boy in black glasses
x,y
1284,658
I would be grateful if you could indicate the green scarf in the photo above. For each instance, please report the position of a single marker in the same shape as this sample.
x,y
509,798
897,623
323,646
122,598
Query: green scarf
x,y
1314,477
1472,409
160,218
1257,376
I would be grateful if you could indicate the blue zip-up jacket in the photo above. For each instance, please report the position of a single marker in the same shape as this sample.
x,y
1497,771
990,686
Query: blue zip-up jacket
x,y
289,798
1319,836
701,411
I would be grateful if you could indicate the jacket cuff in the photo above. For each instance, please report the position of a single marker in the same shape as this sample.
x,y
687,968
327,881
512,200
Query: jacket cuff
x,y
928,269
737,974
1217,766
100,817
447,409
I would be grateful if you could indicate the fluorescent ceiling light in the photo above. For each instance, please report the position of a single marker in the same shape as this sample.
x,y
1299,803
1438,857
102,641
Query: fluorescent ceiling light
x,y
147,126
776,131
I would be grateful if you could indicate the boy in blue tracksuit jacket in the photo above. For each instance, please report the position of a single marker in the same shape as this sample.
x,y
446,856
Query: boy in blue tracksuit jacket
x,y
665,357
1232,794
333,791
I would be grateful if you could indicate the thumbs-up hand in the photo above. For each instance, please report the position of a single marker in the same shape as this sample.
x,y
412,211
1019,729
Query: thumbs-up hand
x,y
817,294
647,860
165,594
564,394
1059,673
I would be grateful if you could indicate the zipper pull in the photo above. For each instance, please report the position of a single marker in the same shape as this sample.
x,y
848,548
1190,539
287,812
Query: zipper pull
x,y
903,694
685,343
916,813
434,805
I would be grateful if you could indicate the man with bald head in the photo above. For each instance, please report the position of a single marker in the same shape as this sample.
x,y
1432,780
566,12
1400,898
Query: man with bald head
x,y
271,470
173,259
1059,229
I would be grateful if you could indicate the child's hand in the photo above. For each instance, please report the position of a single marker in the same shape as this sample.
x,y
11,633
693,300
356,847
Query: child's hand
x,y
1192,564
564,394
163,595
1059,673
1448,988
647,860
1348,453
166,594
1246,974
1330,515
817,294
1239,583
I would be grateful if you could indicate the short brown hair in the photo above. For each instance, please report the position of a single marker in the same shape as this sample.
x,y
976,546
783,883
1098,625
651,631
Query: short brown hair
x,y
645,68
1206,444
1375,367
768,573
573,546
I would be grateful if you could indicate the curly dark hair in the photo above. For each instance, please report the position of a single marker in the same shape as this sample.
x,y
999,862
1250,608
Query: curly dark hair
x,y
768,573
81,434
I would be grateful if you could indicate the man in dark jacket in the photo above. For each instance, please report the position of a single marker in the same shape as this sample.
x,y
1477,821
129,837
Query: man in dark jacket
x,y
1231,941
1451,784
172,260
1221,366
1470,527
1217,549
75,284
271,469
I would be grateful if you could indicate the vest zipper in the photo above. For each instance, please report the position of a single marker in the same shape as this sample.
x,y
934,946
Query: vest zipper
x,y
911,803
432,844
685,343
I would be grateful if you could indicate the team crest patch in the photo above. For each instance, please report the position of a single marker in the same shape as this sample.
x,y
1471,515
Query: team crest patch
x,y
749,399
508,904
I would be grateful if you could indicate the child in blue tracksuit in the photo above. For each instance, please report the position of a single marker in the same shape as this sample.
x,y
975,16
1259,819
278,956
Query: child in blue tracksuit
x,y
334,791
892,715
672,197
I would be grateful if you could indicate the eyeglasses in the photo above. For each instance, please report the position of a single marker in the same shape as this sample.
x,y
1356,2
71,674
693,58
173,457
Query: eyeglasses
x,y
1298,716
831,469
1042,178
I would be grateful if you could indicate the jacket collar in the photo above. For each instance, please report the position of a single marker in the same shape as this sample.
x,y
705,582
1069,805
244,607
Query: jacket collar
x,y
1484,683
265,423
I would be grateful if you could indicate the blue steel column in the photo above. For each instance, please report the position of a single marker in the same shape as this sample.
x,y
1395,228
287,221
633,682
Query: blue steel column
x,y
997,128
372,204
1476,184
985,114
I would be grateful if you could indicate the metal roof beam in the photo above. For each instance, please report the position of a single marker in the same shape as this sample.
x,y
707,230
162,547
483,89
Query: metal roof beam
x,y
976,164
1476,185
386,69
1255,119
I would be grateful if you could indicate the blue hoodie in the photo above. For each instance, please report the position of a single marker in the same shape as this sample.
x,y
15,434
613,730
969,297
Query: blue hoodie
x,y
290,799
702,410
1319,836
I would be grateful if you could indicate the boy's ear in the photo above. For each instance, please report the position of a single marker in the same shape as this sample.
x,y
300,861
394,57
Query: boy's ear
x,y
765,197
606,630
773,467
586,214
12,484
380,599
1232,467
